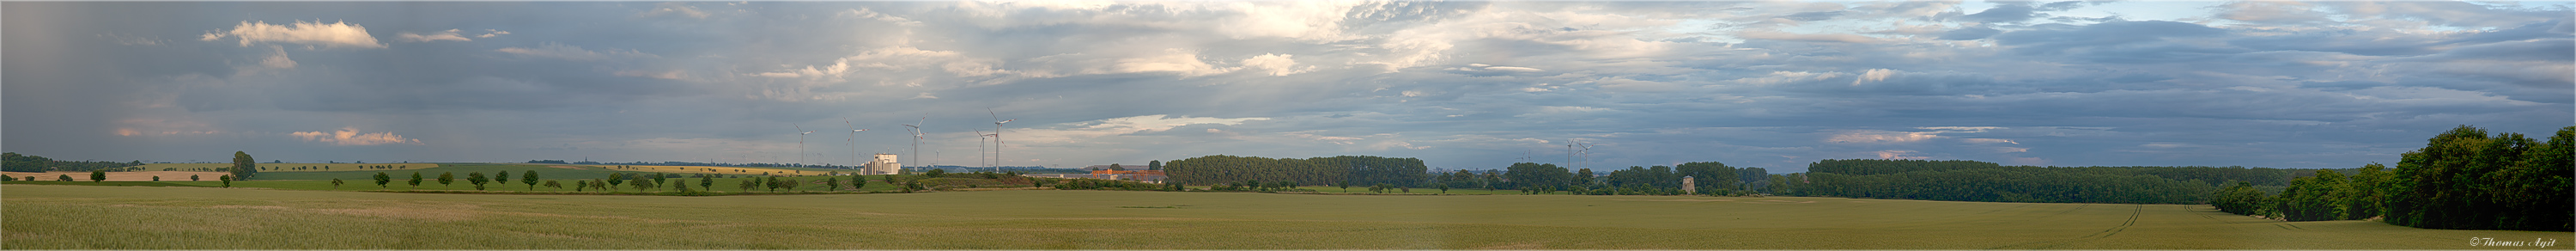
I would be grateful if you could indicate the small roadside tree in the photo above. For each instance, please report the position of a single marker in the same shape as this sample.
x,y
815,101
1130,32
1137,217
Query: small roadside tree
x,y
155,178
478,180
748,185
382,179
228,180
63,177
530,178
502,177
191,177
707,182
415,180
771,183
97,175
858,181
551,184
615,179
446,178
658,178
579,185
1444,187
335,183
1346,186
830,183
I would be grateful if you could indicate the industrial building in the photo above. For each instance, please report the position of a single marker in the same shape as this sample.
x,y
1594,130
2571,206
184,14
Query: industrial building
x,y
884,164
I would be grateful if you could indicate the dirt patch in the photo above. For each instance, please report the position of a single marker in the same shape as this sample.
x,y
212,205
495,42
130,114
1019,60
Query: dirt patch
x,y
122,176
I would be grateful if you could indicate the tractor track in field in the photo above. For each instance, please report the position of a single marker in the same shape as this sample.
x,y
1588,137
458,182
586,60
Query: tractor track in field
x,y
2134,213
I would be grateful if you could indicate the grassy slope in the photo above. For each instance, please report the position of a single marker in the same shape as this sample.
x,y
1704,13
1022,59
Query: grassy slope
x,y
104,217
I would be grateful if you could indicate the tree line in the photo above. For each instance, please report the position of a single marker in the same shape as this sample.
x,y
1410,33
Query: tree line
x,y
2464,178
14,162
1225,169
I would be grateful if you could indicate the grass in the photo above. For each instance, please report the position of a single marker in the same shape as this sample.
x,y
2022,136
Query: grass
x,y
121,217
724,170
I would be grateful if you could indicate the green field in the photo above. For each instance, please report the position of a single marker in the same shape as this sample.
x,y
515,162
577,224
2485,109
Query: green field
x,y
122,217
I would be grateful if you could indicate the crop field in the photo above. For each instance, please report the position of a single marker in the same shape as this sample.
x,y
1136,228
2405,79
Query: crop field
x,y
288,167
125,217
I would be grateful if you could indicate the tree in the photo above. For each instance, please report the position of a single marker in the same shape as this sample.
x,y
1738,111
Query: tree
x,y
478,180
614,179
830,184
228,180
1155,165
552,184
658,178
63,177
381,179
243,166
858,181
97,175
749,184
596,184
415,180
502,177
446,178
1346,185
1444,187
191,177
707,182
335,183
155,178
530,178
772,183
640,185
790,184
1116,167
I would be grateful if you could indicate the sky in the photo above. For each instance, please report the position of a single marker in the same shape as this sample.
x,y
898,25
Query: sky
x,y
1460,85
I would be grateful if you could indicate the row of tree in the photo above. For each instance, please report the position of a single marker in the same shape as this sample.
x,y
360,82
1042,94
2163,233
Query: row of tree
x,y
1222,169
2462,179
14,162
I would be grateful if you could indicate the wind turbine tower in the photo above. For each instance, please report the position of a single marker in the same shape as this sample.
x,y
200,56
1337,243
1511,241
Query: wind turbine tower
x,y
853,141
997,137
800,144
916,135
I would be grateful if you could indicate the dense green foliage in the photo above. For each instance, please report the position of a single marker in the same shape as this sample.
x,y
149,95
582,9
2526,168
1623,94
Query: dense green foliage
x,y
1999,184
14,162
1960,180
2467,179
2461,179
1222,169
244,168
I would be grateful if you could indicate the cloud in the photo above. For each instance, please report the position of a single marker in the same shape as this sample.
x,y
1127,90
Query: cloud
x,y
1275,64
671,75
449,35
1873,75
574,53
332,35
489,33
349,136
674,9
277,59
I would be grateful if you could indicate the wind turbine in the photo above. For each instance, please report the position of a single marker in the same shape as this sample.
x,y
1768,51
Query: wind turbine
x,y
916,135
800,144
997,137
1587,154
979,145
853,141
980,153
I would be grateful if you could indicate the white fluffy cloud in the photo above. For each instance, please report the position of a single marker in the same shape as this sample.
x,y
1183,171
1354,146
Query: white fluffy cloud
x,y
332,35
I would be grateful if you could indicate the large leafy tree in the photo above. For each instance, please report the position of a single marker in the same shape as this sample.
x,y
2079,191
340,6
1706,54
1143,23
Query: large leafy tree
x,y
446,178
415,179
382,179
477,179
243,166
530,178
